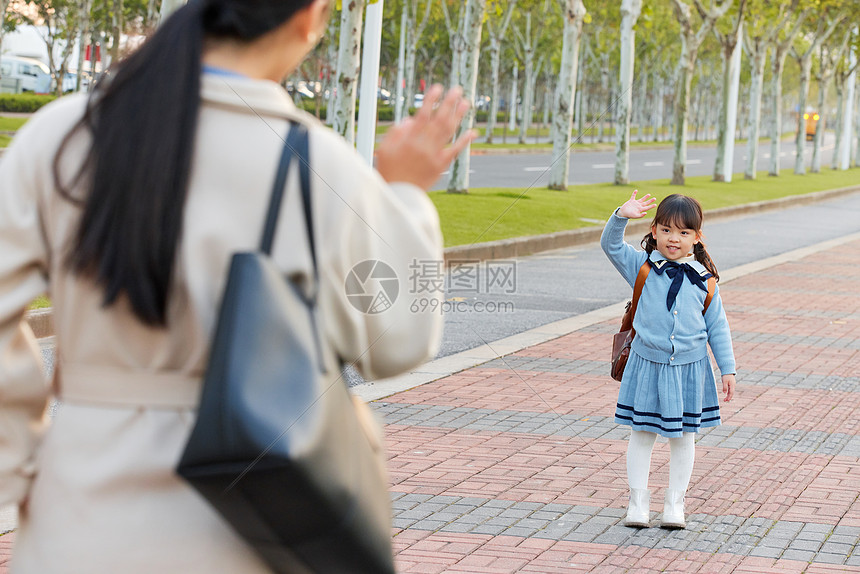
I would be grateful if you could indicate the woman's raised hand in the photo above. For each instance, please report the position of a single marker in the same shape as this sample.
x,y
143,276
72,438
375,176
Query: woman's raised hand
x,y
637,208
419,149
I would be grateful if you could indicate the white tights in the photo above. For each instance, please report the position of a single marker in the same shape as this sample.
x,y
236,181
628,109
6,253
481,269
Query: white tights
x,y
682,454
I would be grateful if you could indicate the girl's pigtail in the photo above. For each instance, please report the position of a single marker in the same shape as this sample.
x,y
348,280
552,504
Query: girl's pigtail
x,y
702,256
649,244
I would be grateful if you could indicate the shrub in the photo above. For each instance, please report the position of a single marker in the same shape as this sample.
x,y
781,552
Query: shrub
x,y
23,103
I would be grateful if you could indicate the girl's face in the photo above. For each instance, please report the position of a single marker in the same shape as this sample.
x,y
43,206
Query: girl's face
x,y
673,242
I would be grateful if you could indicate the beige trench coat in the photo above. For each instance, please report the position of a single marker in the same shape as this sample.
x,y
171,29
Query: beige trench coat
x,y
99,477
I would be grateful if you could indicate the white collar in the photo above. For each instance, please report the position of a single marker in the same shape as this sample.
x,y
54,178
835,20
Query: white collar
x,y
657,257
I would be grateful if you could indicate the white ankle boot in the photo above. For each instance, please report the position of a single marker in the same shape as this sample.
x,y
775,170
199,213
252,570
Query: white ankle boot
x,y
638,510
673,510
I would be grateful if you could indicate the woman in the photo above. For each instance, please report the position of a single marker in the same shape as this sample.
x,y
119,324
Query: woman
x,y
126,209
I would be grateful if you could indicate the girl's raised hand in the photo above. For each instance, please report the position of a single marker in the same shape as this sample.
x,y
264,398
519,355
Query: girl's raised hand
x,y
637,208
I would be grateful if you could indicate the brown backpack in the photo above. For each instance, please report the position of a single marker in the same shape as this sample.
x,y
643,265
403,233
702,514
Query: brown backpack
x,y
622,340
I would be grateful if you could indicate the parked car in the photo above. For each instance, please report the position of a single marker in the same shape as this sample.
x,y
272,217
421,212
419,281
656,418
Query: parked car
x,y
302,89
384,96
70,80
25,75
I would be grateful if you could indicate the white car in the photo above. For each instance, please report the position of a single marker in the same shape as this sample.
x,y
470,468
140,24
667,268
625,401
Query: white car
x,y
25,75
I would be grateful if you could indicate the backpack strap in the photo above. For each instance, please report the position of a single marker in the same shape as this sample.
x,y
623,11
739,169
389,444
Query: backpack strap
x,y
712,288
627,320
637,288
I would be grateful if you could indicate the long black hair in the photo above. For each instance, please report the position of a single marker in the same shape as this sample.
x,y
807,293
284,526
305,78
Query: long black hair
x,y
684,213
142,121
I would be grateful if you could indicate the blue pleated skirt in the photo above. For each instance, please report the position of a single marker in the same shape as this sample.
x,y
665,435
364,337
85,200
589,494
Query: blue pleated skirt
x,y
668,399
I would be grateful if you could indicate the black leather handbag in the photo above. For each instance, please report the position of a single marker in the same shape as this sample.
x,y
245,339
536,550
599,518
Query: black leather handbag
x,y
280,448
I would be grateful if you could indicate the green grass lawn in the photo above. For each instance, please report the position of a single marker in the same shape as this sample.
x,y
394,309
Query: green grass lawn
x,y
11,124
490,214
41,302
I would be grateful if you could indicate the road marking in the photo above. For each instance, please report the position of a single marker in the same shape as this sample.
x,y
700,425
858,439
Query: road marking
x,y
448,172
544,168
654,164
693,161
603,165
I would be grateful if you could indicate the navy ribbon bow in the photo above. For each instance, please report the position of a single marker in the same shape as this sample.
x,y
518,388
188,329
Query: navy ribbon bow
x,y
676,272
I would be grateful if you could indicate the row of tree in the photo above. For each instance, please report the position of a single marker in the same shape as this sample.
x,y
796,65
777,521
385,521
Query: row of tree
x,y
685,66
68,25
656,65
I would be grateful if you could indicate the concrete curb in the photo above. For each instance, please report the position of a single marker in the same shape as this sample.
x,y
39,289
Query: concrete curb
x,y
521,246
597,147
41,321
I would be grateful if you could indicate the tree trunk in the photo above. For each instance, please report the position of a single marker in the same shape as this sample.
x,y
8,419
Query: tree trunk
x,y
331,75
528,83
729,108
349,59
496,39
118,26
756,83
151,18
604,90
839,84
512,107
495,65
641,106
579,100
574,13
4,4
168,7
473,17
777,68
414,31
411,51
845,150
82,41
800,138
630,10
823,85
857,128
659,105
682,103
401,65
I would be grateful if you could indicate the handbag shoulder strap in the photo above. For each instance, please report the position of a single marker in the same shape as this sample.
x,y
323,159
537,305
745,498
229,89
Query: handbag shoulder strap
x,y
296,145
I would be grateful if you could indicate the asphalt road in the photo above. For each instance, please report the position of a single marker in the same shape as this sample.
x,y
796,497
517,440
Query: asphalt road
x,y
532,170
559,284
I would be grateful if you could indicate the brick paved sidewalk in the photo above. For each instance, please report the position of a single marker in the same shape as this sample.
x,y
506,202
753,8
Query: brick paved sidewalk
x,y
517,466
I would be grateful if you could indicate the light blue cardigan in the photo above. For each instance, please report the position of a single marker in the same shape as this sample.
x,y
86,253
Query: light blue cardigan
x,y
678,336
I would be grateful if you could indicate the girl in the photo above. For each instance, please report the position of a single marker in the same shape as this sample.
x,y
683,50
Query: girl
x,y
668,387
126,208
